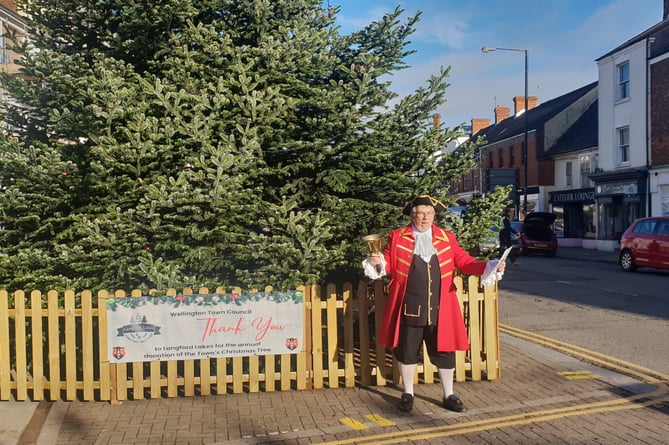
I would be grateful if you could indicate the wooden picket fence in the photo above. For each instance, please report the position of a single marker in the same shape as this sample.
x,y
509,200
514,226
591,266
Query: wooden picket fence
x,y
53,347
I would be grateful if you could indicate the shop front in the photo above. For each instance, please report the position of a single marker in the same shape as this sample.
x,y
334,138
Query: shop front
x,y
620,199
575,217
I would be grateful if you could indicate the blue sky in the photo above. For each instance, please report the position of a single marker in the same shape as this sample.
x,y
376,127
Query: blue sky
x,y
563,37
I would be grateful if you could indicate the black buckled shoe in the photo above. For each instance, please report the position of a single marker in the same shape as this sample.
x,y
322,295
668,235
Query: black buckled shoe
x,y
453,403
406,402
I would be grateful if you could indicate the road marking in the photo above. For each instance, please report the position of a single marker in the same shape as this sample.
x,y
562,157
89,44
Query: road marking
x,y
380,420
623,367
658,397
578,375
352,423
617,291
629,403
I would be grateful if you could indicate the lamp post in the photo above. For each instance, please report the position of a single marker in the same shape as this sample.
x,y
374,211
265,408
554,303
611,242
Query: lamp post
x,y
487,49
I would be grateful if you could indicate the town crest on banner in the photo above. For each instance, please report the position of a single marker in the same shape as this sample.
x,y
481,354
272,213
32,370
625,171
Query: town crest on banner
x,y
118,352
291,343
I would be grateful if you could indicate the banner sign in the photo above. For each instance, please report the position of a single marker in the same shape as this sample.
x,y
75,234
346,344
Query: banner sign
x,y
200,326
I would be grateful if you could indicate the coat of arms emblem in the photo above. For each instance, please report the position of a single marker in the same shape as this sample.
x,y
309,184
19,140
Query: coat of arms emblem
x,y
291,343
118,352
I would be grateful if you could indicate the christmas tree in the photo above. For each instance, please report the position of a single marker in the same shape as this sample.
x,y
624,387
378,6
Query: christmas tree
x,y
206,143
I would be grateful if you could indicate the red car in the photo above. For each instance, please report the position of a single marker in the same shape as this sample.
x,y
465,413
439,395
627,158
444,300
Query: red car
x,y
535,234
645,244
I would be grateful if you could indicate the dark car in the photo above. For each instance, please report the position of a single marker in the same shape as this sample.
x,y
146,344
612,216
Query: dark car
x,y
535,234
645,244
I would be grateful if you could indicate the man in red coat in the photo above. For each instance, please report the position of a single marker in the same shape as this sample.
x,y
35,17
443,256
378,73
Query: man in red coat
x,y
422,303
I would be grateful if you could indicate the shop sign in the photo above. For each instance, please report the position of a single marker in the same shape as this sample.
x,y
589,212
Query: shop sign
x,y
572,196
618,188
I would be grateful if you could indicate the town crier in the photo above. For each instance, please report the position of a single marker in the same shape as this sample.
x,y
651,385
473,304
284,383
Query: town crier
x,y
422,303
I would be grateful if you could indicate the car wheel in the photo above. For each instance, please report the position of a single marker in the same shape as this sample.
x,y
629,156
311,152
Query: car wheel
x,y
627,261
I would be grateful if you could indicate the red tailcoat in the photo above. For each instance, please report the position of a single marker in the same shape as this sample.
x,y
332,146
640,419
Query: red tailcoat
x,y
451,331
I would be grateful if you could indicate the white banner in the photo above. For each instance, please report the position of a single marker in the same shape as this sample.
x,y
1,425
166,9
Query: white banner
x,y
198,326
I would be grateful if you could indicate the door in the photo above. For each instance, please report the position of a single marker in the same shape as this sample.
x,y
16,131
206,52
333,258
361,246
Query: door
x,y
660,251
643,245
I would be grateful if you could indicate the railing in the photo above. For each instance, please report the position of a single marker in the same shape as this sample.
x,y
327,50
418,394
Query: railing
x,y
50,349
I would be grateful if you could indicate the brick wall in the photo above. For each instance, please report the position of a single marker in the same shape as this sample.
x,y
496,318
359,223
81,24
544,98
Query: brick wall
x,y
479,124
9,4
659,113
501,113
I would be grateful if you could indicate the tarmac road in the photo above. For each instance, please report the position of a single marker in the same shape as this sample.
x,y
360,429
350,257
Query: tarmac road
x,y
593,304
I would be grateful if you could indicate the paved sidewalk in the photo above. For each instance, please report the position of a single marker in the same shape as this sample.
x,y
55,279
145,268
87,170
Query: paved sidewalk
x,y
543,397
536,401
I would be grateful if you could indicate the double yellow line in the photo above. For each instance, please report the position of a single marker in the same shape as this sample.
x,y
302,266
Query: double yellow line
x,y
659,396
506,421
602,360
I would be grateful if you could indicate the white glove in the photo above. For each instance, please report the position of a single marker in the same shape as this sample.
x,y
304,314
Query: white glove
x,y
371,271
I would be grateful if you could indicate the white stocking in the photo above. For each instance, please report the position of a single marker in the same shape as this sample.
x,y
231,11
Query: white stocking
x,y
407,372
446,377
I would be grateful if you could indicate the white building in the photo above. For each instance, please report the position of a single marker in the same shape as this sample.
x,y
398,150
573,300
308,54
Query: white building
x,y
632,180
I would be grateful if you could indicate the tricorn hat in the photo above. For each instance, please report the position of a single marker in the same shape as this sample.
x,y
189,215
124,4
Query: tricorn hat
x,y
424,200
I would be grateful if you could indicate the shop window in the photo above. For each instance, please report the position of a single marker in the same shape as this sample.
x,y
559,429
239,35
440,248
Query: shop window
x,y
589,221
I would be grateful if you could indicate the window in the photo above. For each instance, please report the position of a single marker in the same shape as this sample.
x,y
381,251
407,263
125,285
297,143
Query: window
x,y
645,226
501,158
512,160
623,81
586,168
568,174
623,150
662,228
3,49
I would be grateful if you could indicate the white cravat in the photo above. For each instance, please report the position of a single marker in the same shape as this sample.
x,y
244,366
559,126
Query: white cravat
x,y
424,247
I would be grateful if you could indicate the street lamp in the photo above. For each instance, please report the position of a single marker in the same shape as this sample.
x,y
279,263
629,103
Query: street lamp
x,y
487,49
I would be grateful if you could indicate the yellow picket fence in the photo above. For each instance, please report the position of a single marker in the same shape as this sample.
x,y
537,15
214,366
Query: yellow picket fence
x,y
53,347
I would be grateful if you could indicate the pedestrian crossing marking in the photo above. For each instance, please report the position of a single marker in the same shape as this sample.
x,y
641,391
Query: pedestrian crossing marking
x,y
382,421
352,423
578,375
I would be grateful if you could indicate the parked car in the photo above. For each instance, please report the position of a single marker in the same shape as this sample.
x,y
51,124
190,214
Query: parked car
x,y
535,234
645,243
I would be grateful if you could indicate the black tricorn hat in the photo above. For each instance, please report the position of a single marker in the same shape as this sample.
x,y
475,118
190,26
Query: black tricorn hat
x,y
424,200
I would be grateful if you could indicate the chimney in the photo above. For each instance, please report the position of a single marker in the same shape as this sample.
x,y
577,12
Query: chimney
x,y
479,124
436,121
519,102
501,113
